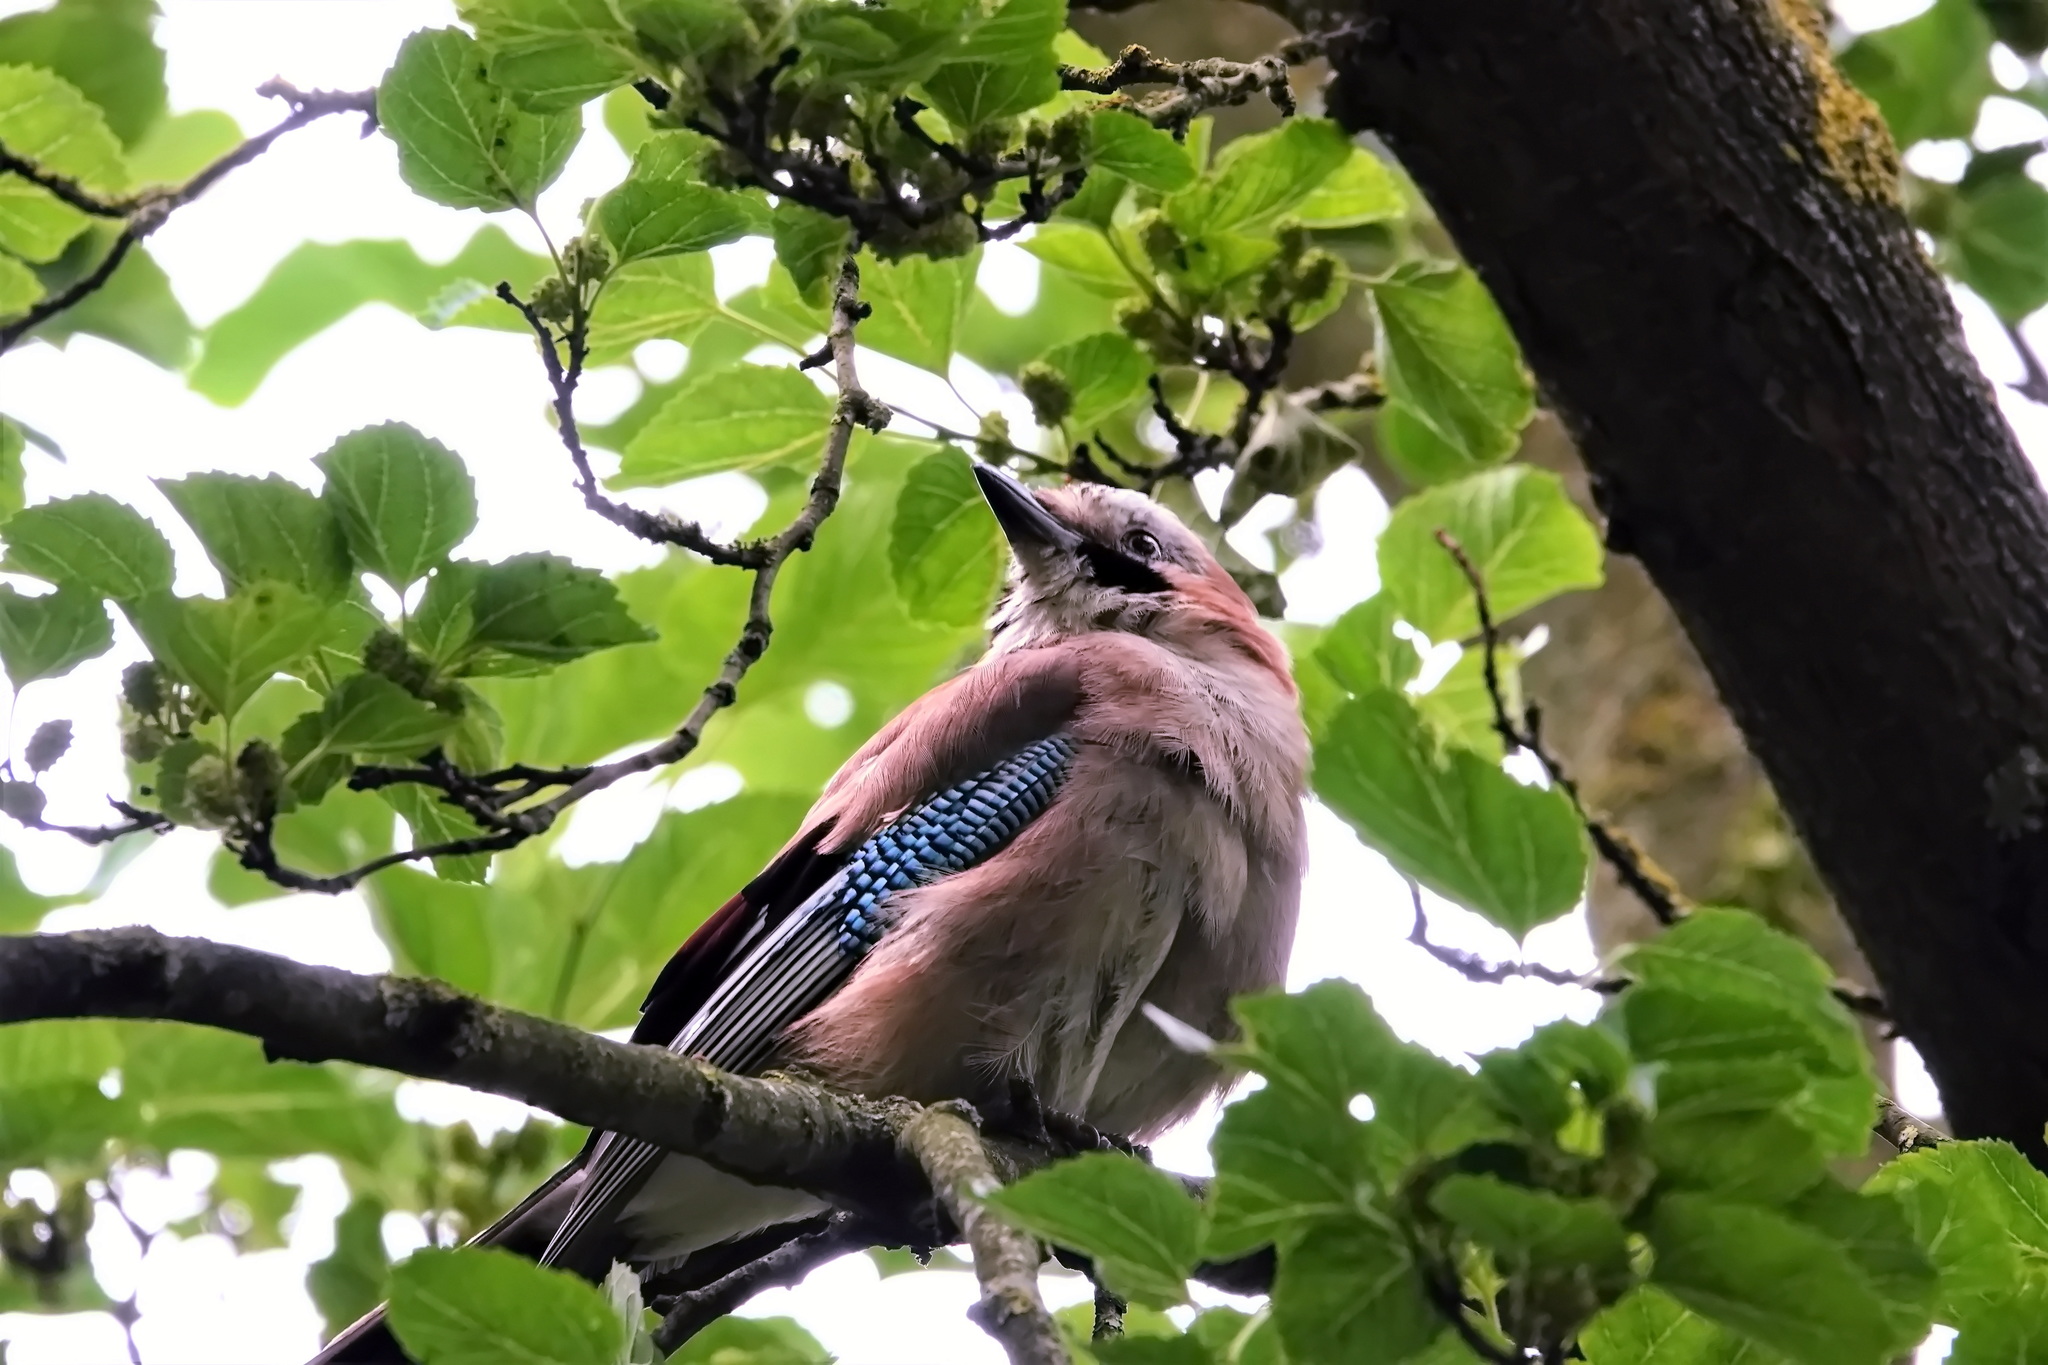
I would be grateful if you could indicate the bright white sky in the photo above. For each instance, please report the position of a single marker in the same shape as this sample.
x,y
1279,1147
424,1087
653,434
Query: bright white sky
x,y
122,422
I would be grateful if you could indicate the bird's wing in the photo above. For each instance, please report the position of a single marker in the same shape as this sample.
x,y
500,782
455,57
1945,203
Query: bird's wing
x,y
944,786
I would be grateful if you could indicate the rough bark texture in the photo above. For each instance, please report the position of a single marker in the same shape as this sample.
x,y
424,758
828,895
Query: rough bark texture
x,y
1685,217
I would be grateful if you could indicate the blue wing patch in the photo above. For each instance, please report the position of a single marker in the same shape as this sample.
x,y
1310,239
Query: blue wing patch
x,y
965,823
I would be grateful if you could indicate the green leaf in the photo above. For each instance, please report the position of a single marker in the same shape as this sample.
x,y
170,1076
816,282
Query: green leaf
x,y
917,304
44,637
1362,653
1532,1228
670,297
13,445
90,542
1351,1291
1783,1282
19,287
543,607
196,1087
1457,394
1260,177
404,500
1928,75
1104,372
1453,821
1283,1162
1649,1327
462,141
135,308
318,284
349,1281
1519,529
179,146
485,1307
1138,1222
268,528
228,649
554,54
1085,254
740,418
44,119
970,94
104,47
810,246
1992,242
1128,146
1362,190
752,1341
944,548
665,209
368,715
1980,1211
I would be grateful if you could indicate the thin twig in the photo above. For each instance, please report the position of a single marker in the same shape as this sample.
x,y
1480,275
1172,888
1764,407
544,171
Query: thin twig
x,y
1903,1130
1473,967
691,1312
1630,864
945,1143
145,211
1109,1315
2034,386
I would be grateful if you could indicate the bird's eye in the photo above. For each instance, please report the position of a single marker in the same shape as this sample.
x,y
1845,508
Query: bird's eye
x,y
1143,544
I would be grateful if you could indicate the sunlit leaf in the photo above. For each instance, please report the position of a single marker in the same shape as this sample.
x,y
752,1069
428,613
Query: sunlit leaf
x,y
462,141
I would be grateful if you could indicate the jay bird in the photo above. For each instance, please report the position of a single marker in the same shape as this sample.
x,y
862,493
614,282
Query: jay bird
x,y
1103,813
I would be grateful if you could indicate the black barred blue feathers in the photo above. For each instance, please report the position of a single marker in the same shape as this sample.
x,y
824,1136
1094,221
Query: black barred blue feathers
x,y
951,832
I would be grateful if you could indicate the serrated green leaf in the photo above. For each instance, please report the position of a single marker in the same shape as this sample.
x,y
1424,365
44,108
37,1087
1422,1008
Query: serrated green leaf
x,y
475,1306
917,305
1361,652
135,308
1457,393
1453,821
370,716
1781,1281
1128,146
669,298
1362,190
104,47
264,529
1351,1291
1140,1225
1085,254
1649,1327
944,548
228,649
543,607
1991,242
1283,1163
403,499
970,94
45,120
665,209
740,418
1532,1228
1980,1212
1260,177
90,542
44,637
1104,373
462,141
1519,529
554,54
318,284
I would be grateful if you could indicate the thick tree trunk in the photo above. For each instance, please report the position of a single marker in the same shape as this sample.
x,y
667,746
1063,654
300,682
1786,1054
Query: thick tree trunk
x,y
1688,220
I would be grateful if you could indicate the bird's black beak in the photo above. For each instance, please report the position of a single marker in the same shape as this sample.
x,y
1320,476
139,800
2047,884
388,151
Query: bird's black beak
x,y
1025,522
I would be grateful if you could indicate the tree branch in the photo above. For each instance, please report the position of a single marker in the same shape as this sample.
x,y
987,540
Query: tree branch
x,y
144,212
693,1311
953,1157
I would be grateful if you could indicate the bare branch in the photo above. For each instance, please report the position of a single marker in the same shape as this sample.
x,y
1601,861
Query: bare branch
x,y
690,1313
1650,884
1473,967
945,1143
144,212
1903,1131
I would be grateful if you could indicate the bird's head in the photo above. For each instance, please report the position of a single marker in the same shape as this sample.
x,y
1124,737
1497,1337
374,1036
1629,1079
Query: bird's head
x,y
1092,558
